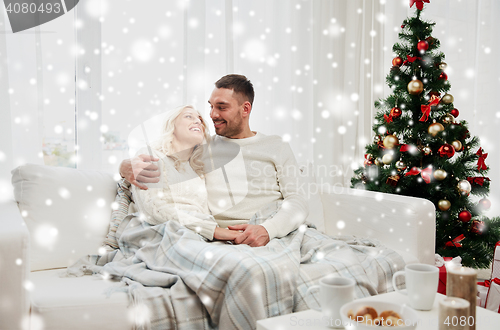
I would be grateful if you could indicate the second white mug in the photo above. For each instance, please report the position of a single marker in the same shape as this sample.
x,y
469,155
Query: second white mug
x,y
421,285
333,293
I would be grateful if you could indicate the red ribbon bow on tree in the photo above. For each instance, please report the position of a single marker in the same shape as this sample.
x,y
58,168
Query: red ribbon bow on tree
x,y
420,3
411,59
404,147
480,162
393,114
456,241
425,173
426,109
388,119
478,180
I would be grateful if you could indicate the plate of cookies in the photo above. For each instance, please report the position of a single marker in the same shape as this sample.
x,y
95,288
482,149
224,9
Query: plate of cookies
x,y
373,315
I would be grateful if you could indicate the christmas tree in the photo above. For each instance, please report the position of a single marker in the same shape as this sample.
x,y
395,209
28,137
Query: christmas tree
x,y
421,149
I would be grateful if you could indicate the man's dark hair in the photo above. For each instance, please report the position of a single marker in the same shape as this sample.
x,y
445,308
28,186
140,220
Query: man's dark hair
x,y
239,84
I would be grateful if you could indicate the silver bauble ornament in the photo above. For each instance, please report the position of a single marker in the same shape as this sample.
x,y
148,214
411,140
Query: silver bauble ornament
x,y
448,119
440,174
390,141
435,128
387,159
400,165
415,87
447,99
444,205
457,145
427,150
464,187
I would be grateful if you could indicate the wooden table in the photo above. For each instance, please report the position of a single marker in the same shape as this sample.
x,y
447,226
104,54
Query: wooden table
x,y
313,320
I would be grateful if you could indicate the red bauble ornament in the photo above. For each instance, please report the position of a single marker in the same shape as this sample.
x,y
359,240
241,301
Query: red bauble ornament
x,y
397,61
422,46
446,150
484,204
464,216
477,227
403,26
368,160
443,76
396,112
454,113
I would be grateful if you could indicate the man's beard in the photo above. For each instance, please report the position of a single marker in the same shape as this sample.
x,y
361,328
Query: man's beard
x,y
229,130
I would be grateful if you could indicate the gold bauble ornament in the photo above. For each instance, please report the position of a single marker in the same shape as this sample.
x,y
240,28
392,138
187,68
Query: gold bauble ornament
x,y
387,159
435,128
427,150
377,139
400,165
447,99
448,119
390,141
464,187
369,156
457,145
415,87
440,174
444,205
378,161
443,65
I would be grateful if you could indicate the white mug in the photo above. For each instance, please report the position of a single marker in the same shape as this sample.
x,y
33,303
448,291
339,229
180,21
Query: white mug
x,y
421,285
333,293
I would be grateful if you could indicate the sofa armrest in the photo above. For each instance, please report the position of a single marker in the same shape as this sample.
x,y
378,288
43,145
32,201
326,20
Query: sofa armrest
x,y
403,223
14,267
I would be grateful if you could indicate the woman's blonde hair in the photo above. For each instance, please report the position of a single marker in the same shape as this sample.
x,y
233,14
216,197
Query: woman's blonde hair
x,y
164,143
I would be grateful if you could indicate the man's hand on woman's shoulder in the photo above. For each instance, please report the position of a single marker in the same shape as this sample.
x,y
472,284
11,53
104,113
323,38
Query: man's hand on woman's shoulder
x,y
140,170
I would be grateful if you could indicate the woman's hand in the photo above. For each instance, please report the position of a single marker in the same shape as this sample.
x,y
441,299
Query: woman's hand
x,y
253,235
223,234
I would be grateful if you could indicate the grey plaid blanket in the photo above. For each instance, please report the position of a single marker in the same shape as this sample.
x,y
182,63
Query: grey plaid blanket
x,y
177,280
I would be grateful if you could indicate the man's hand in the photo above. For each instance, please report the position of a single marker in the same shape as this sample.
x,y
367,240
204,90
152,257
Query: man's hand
x,y
253,235
140,170
223,234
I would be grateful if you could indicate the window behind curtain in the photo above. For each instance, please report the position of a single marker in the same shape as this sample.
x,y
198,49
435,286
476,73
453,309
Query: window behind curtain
x,y
58,53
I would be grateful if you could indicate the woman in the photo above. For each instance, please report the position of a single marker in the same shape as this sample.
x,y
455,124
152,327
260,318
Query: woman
x,y
181,194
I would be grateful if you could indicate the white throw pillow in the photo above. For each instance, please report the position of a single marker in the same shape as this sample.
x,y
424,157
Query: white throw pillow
x,y
67,212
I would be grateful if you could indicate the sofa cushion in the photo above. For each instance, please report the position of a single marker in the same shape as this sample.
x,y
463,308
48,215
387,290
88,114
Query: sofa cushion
x,y
122,203
312,192
76,303
66,211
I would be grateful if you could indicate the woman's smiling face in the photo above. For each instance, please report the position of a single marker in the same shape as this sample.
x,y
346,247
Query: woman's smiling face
x,y
189,127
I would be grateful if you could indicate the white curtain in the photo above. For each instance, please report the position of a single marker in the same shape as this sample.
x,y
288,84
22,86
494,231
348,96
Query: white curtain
x,y
317,67
20,102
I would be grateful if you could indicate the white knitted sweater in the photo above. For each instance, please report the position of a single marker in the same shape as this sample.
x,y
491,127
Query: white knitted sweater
x,y
258,170
180,196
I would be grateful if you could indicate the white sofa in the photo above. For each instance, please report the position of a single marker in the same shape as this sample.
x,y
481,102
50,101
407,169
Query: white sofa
x,y
63,214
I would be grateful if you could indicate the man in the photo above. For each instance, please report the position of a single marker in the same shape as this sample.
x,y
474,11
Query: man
x,y
265,170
